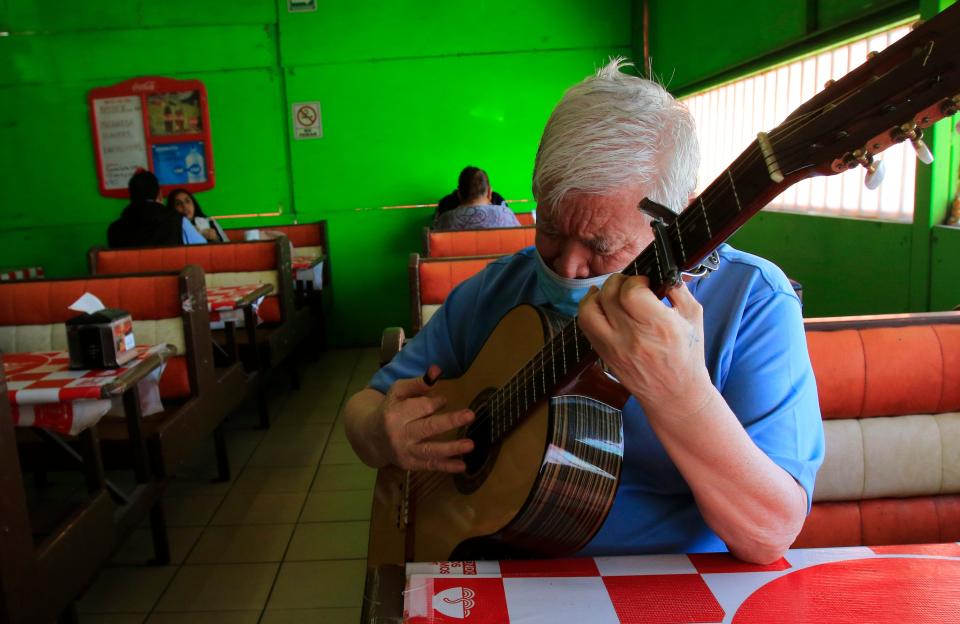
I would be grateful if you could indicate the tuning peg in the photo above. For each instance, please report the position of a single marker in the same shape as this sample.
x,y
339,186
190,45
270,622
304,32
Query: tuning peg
x,y
912,132
876,171
924,154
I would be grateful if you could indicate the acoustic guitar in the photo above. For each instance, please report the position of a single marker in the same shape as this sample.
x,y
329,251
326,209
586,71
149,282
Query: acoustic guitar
x,y
548,428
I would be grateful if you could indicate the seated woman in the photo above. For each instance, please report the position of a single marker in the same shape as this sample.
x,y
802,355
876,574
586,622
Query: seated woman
x,y
475,206
186,204
146,222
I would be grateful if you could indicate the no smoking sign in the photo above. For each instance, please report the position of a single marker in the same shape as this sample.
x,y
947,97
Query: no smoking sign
x,y
306,121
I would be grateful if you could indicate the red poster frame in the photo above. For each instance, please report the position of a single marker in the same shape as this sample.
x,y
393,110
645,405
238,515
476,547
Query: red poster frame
x,y
143,88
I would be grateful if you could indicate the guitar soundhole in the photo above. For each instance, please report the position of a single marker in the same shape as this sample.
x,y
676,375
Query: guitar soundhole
x,y
481,460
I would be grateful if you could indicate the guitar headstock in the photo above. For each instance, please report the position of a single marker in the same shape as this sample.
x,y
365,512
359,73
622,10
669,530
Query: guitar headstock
x,y
892,97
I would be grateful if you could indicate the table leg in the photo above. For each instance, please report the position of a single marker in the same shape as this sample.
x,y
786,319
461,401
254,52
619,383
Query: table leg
x,y
230,330
158,529
250,320
141,468
133,415
92,462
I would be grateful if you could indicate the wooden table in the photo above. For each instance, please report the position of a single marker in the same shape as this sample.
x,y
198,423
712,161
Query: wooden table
x,y
307,274
880,584
40,579
231,304
44,394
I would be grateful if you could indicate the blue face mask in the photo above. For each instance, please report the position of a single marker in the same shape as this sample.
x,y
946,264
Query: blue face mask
x,y
564,293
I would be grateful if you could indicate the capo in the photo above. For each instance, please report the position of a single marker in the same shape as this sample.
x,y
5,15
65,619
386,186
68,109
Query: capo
x,y
664,217
707,266
669,271
657,211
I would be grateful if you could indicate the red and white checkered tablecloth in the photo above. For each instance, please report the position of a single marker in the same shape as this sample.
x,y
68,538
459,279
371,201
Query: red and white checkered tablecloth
x,y
880,585
66,418
298,263
44,392
223,303
21,274
46,377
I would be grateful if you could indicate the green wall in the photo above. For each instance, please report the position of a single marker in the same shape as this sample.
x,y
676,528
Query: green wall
x,y
410,93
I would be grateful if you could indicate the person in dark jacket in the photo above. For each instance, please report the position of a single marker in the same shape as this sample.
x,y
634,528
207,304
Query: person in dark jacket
x,y
146,222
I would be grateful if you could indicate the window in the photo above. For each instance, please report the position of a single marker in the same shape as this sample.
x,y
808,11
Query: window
x,y
730,116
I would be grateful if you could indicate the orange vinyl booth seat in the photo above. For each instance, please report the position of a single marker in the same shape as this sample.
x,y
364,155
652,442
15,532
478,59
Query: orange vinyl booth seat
x,y
307,239
226,264
196,395
477,242
432,279
527,218
889,390
300,235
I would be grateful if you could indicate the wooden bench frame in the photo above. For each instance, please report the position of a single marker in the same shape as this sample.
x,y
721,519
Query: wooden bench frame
x,y
413,273
275,342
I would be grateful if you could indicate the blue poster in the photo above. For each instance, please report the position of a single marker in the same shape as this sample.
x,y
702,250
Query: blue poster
x,y
179,163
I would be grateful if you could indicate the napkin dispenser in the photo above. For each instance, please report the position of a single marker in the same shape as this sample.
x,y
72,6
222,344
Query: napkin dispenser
x,y
101,339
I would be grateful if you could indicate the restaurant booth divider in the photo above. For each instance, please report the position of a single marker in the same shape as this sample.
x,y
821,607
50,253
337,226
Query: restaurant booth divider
x,y
285,327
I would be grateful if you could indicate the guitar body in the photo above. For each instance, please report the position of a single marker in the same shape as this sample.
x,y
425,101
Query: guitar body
x,y
543,490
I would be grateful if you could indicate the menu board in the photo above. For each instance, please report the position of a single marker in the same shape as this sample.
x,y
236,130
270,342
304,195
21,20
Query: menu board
x,y
158,124
123,146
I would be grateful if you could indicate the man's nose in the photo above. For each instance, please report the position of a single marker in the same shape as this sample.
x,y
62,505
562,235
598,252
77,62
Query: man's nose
x,y
573,261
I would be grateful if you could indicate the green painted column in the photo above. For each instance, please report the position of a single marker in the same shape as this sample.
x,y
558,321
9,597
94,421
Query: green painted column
x,y
934,191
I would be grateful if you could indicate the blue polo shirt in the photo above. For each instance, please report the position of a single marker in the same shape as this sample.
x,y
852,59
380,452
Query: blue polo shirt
x,y
756,353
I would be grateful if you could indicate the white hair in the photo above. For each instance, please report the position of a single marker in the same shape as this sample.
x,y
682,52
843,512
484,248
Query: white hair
x,y
612,130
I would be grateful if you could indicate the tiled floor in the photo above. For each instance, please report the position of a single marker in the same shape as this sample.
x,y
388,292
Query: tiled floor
x,y
284,542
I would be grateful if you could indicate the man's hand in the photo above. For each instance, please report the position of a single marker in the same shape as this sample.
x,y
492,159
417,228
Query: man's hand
x,y
410,421
655,351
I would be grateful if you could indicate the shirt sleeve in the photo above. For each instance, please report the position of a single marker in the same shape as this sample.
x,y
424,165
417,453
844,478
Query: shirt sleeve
x,y
771,388
190,234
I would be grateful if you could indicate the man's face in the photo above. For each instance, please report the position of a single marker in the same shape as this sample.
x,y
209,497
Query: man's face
x,y
590,235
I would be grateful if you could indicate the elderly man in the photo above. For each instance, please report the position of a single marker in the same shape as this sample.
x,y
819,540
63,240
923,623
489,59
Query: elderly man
x,y
722,433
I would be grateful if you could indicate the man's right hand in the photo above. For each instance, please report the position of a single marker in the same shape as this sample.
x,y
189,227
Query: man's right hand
x,y
411,419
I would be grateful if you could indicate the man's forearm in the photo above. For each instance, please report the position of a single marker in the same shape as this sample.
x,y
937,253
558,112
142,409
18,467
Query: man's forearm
x,y
360,418
753,505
